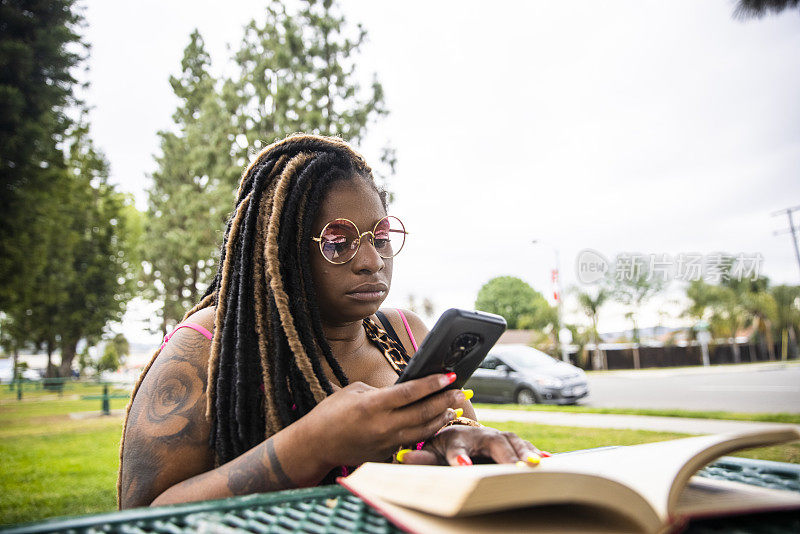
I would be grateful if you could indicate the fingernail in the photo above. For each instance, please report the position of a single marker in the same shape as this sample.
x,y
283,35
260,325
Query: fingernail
x,y
463,459
459,412
522,464
545,454
449,378
401,454
468,393
533,459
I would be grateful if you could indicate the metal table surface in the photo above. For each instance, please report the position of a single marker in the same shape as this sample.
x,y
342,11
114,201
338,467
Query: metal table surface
x,y
329,509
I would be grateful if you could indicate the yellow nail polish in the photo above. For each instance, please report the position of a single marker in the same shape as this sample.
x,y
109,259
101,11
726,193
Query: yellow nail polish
x,y
401,454
468,393
534,459
459,412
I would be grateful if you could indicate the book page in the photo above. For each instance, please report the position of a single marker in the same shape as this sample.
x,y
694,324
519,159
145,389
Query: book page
x,y
557,519
659,471
706,496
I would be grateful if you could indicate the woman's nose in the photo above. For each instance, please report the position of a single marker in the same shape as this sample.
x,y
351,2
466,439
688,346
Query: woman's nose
x,y
367,257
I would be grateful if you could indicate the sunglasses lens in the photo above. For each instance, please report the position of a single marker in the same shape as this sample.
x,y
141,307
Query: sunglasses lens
x,y
390,236
339,241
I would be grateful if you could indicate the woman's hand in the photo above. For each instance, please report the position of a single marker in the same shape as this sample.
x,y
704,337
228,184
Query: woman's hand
x,y
361,423
457,444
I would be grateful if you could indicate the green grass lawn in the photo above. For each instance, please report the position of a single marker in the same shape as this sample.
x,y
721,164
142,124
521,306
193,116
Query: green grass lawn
x,y
736,416
564,438
54,465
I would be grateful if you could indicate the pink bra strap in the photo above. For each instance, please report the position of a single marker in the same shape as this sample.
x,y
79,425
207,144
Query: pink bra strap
x,y
408,329
193,326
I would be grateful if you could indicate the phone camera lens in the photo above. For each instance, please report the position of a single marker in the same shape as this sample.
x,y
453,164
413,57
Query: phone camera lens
x,y
461,346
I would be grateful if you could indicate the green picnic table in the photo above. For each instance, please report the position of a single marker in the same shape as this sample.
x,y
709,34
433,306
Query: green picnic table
x,y
330,509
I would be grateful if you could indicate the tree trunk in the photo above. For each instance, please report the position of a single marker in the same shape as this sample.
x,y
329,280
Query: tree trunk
x,y
67,355
636,362
737,355
770,341
164,324
49,371
598,359
15,369
753,350
193,286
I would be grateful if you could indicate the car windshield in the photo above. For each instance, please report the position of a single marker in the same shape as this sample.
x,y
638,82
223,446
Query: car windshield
x,y
525,357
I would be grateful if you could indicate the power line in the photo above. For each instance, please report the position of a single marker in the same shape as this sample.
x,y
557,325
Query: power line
x,y
792,229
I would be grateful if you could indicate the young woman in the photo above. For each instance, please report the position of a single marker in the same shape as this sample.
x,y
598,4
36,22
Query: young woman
x,y
283,375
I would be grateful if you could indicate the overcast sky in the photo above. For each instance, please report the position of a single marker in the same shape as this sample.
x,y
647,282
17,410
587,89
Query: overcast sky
x,y
642,127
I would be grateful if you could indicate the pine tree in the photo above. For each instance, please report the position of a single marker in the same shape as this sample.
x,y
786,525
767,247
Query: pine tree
x,y
191,190
297,72
38,44
101,279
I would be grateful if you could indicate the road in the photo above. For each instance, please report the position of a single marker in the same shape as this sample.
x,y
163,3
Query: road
x,y
768,388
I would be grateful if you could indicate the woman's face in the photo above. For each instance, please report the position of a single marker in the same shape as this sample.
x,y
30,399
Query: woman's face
x,y
353,290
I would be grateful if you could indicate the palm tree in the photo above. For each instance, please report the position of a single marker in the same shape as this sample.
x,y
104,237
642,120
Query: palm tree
x,y
634,291
721,307
787,300
763,311
591,305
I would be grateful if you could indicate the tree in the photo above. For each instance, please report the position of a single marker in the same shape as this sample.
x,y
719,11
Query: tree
x,y
39,47
591,304
787,301
763,311
634,289
191,191
296,72
581,336
37,54
515,300
424,308
99,278
110,359
121,345
64,272
747,9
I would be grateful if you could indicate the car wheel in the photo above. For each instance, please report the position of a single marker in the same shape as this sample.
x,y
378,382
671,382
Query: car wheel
x,y
526,396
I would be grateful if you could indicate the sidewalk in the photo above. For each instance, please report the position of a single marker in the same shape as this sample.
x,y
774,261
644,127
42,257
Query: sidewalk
x,y
634,422
697,369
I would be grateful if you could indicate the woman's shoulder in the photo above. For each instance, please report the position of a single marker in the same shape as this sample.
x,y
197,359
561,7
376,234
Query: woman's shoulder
x,y
402,320
190,344
204,317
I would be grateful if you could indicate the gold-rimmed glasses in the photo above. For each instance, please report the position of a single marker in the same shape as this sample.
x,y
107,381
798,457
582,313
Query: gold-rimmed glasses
x,y
340,239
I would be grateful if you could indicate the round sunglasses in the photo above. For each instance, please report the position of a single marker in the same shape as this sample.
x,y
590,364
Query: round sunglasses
x,y
340,239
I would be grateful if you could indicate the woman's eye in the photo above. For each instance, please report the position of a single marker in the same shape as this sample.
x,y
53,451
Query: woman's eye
x,y
337,244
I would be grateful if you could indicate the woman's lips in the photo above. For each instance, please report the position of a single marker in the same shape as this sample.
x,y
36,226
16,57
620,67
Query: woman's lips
x,y
369,292
367,296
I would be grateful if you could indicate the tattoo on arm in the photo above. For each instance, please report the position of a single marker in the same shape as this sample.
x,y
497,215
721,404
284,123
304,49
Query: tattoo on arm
x,y
258,471
277,469
166,422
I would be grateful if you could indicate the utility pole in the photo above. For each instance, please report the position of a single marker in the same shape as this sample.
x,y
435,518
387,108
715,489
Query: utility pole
x,y
791,230
555,277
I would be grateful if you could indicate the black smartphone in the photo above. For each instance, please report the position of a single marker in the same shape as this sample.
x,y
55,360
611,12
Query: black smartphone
x,y
458,343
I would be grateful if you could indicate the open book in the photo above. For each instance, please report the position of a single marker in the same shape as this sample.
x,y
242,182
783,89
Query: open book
x,y
639,488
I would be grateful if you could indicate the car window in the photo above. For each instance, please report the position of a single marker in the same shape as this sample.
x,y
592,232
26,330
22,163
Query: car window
x,y
527,358
490,362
